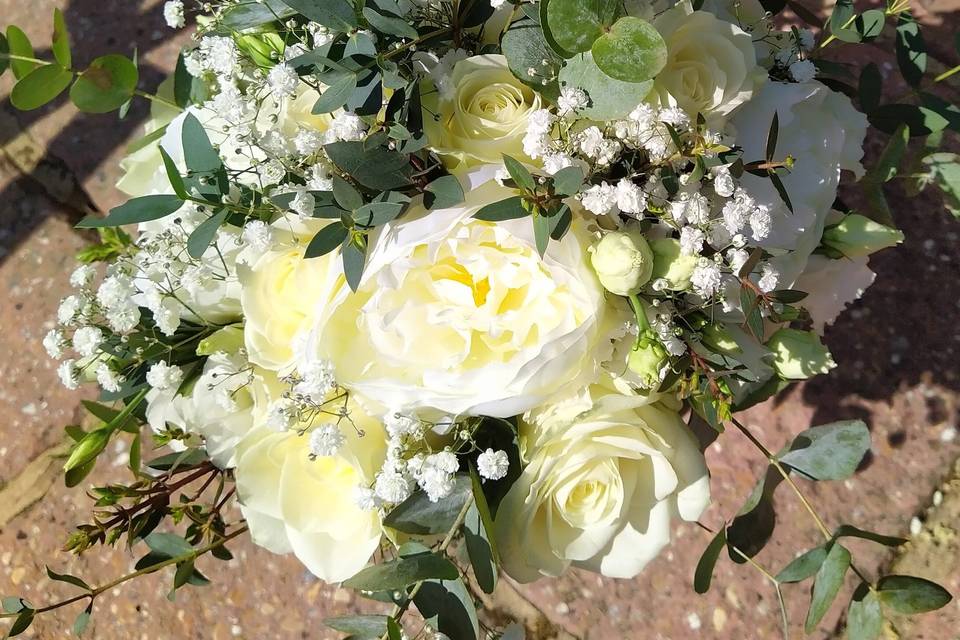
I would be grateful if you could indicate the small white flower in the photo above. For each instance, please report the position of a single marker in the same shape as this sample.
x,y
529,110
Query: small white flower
x,y
258,235
571,99
115,291
593,145
691,241
283,79
630,198
554,162
496,4
493,465
706,278
769,278
540,122
392,487
219,54
124,318
167,317
760,223
173,14
737,258
107,378
68,374
326,440
164,376
319,178
783,57
82,276
303,203
600,199
68,309
282,414
307,142
316,380
802,71
55,343
723,184
346,126
806,39
320,34
399,425
86,340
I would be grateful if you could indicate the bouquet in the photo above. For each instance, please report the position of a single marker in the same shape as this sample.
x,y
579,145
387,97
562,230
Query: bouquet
x,y
439,289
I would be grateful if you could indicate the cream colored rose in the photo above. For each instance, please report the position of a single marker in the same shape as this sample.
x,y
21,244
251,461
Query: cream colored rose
x,y
711,64
483,117
295,504
599,487
280,297
140,176
463,316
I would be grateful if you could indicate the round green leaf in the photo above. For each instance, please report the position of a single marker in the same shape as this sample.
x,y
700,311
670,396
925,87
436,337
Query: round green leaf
x,y
631,51
575,24
61,40
107,83
609,98
911,595
20,46
40,86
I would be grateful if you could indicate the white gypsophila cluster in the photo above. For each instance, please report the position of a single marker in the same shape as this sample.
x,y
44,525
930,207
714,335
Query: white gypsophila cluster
x,y
493,465
434,473
571,100
162,375
326,440
283,79
173,14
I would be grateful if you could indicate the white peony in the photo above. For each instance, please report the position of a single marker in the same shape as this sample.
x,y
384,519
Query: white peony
x,y
281,296
824,134
831,285
295,504
711,64
604,475
463,316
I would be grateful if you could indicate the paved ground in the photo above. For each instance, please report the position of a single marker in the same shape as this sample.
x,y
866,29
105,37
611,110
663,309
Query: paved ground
x,y
897,351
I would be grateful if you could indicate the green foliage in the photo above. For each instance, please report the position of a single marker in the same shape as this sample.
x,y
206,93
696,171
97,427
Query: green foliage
x,y
370,626
609,98
61,40
447,607
703,575
19,45
864,616
478,537
142,209
829,452
442,193
403,572
417,515
40,86
526,50
827,584
631,51
107,84
911,595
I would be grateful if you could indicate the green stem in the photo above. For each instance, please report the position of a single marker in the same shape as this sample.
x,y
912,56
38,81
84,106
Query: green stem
x,y
94,592
946,74
399,610
10,56
154,98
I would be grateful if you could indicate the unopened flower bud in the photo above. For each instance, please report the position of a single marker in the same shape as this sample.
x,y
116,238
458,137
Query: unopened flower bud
x,y
623,261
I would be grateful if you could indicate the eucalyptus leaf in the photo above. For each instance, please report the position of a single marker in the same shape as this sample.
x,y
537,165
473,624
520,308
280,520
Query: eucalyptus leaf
x,y
377,168
804,565
520,174
610,98
576,24
142,209
446,606
108,83
402,572
703,575
829,452
326,240
19,45
444,192
530,58
541,233
169,545
567,181
850,531
198,153
508,209
864,615
478,537
632,50
419,516
911,49
66,577
911,595
353,258
827,584
920,120
369,626
391,24
246,15
337,15
61,40
40,86
201,237
336,94
81,622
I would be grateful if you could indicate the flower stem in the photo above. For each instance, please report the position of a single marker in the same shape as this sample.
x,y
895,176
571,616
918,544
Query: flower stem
x,y
155,98
95,591
946,74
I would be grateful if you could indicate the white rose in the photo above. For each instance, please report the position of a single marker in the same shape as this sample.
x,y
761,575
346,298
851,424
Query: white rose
x,y
711,64
824,134
485,117
600,487
139,168
831,285
464,316
295,504
280,296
